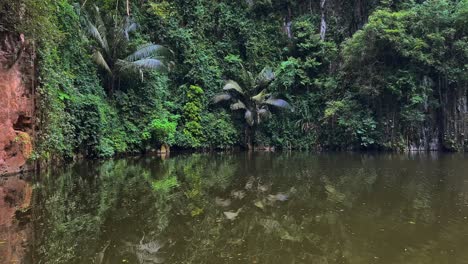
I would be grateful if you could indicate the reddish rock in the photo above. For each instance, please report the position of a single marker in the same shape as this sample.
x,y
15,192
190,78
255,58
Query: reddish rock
x,y
15,227
16,103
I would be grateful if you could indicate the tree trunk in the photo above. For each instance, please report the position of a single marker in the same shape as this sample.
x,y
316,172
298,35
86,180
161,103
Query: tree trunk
x,y
111,85
323,23
128,7
250,137
288,23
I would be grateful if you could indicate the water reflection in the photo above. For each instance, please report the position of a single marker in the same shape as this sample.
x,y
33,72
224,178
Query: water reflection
x,y
256,208
15,214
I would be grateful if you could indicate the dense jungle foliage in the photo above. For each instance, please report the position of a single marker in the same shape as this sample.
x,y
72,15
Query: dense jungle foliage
x,y
381,74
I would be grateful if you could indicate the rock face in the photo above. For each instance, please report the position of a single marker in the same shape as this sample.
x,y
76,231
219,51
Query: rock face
x,y
448,130
16,103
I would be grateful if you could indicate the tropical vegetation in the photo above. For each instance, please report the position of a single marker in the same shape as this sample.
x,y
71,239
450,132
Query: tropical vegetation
x,y
253,101
378,75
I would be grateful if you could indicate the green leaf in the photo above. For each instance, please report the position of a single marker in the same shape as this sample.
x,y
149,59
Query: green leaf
x,y
63,96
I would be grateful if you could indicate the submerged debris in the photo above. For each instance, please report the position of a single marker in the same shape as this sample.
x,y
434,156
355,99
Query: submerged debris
x,y
100,255
238,194
232,215
263,188
222,202
278,197
147,252
259,204
333,194
249,184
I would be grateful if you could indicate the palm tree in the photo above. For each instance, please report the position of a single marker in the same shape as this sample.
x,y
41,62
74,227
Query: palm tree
x,y
111,51
254,101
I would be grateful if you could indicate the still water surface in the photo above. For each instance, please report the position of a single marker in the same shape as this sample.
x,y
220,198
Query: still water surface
x,y
255,208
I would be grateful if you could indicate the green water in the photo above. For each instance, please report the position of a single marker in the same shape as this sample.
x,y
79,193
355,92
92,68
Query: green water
x,y
256,208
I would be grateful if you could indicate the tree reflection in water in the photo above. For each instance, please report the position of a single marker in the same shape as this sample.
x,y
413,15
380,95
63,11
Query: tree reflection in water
x,y
282,208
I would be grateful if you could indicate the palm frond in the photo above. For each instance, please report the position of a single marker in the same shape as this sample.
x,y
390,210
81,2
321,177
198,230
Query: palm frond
x,y
232,85
101,28
94,32
98,17
249,117
99,59
237,106
260,97
246,76
149,51
96,29
221,97
140,65
265,77
278,103
152,64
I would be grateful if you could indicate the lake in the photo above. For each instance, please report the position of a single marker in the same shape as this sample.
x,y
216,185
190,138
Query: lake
x,y
250,208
